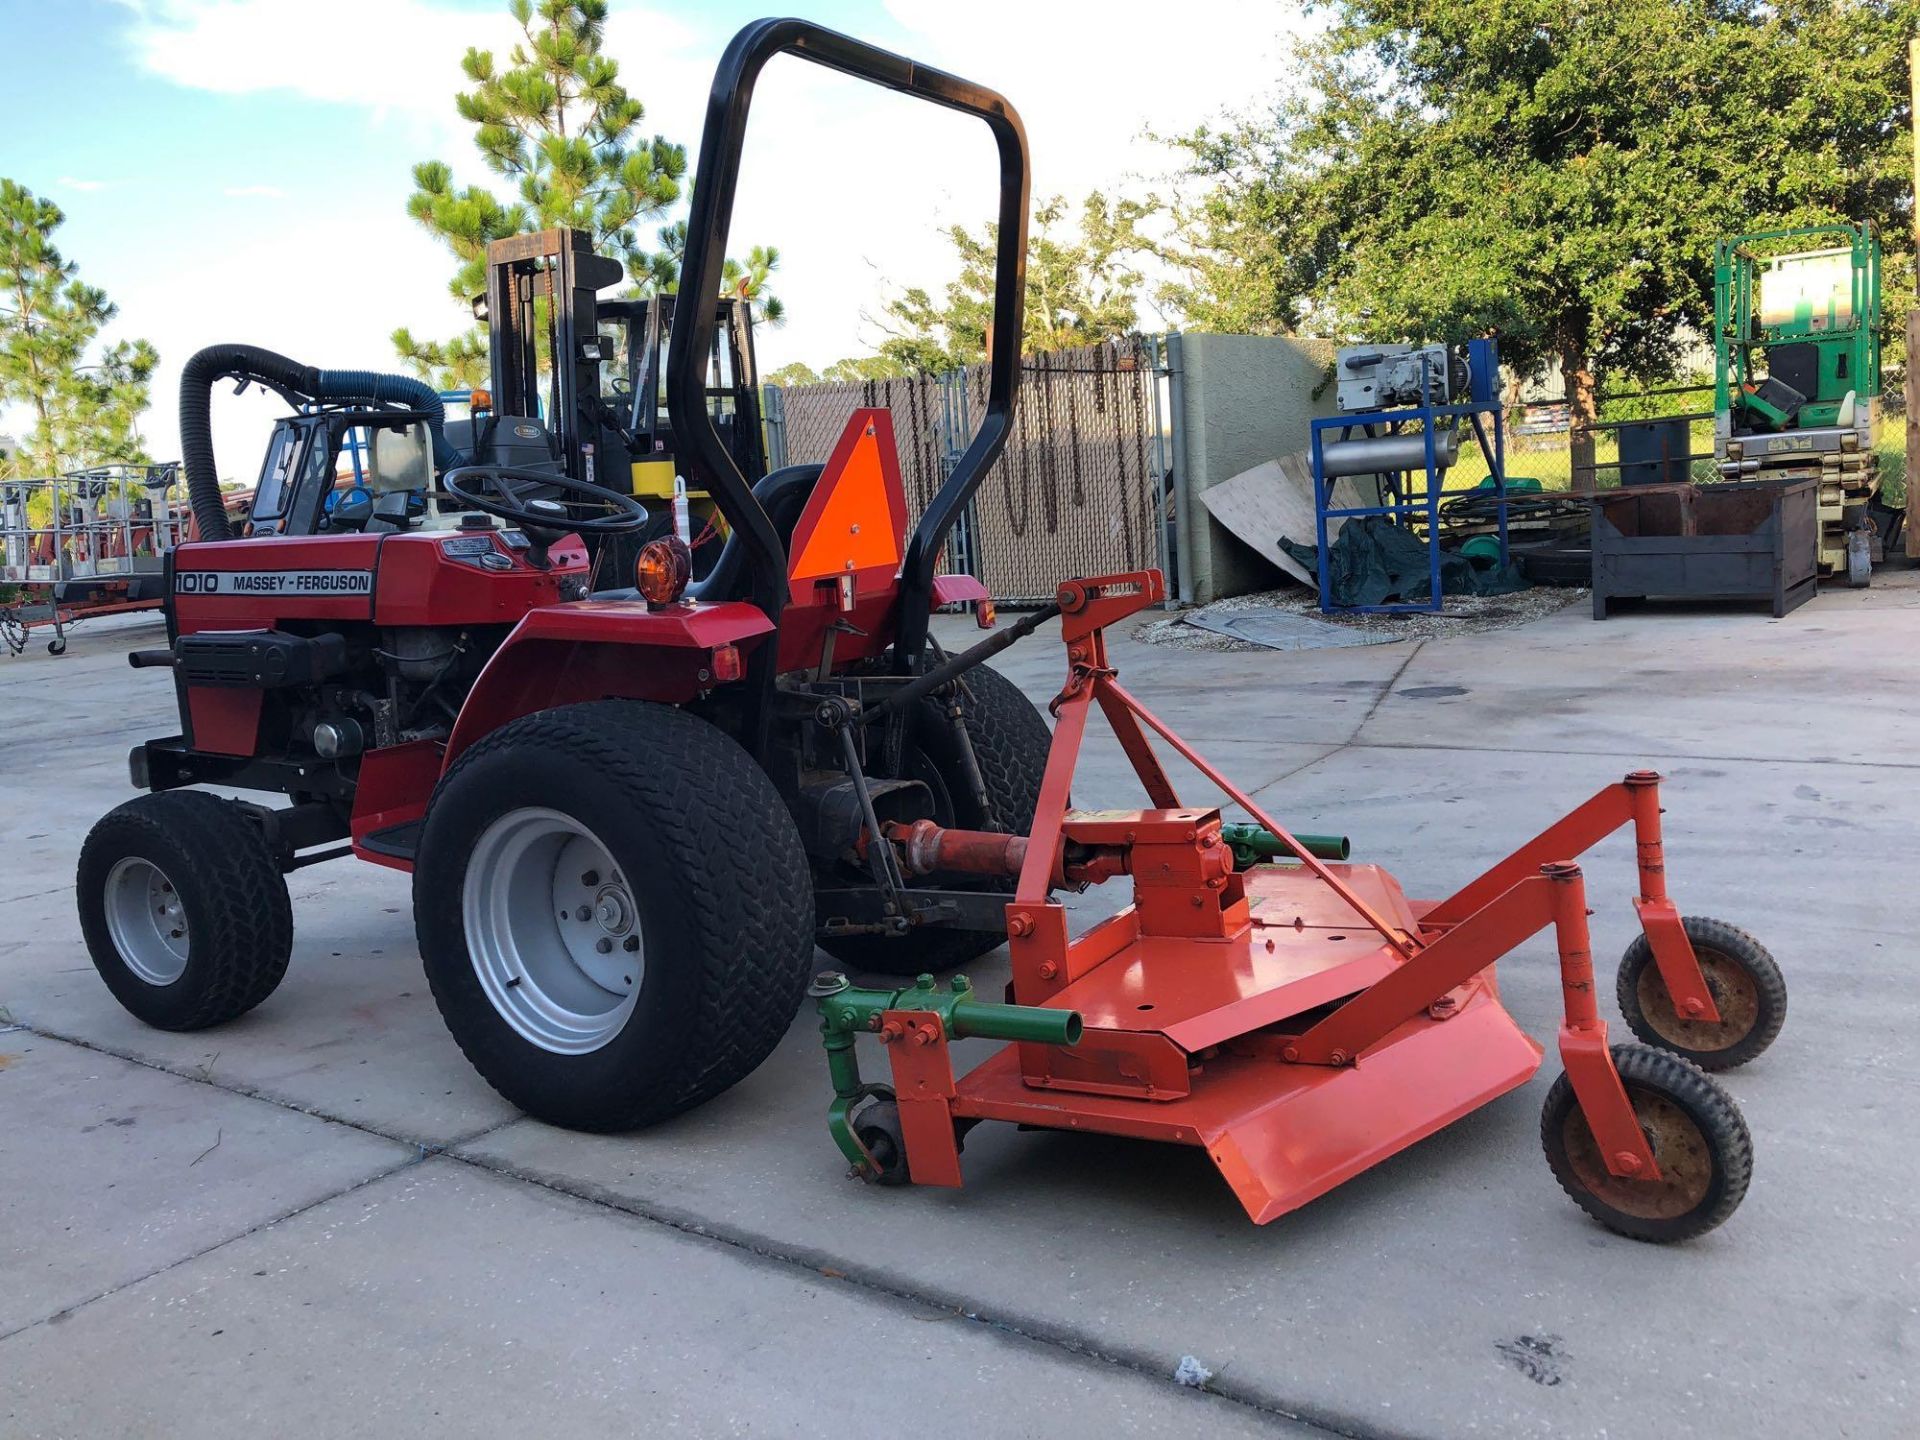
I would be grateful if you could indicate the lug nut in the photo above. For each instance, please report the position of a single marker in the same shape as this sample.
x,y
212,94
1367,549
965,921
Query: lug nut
x,y
591,878
632,942
585,912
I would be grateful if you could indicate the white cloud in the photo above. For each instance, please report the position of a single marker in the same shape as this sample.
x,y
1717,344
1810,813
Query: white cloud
x,y
396,58
249,192
86,185
854,184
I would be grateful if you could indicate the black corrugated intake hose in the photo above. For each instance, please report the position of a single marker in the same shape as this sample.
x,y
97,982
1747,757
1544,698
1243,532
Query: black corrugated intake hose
x,y
297,381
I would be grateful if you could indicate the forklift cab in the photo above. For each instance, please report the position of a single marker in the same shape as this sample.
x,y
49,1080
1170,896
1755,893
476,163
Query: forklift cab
x,y
635,335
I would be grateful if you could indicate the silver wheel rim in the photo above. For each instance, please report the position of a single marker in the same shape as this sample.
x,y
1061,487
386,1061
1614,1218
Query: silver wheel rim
x,y
146,920
553,931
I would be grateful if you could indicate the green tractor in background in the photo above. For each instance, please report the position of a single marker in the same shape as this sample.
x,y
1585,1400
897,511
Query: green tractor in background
x,y
1797,373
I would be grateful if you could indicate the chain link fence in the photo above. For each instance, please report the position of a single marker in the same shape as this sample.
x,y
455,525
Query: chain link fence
x,y
1078,490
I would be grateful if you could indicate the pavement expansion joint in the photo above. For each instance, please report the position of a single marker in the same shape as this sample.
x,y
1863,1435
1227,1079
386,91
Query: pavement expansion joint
x,y
66,1312
878,1284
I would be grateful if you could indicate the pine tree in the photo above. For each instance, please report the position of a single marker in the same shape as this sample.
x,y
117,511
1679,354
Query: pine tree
x,y
1080,290
84,412
558,125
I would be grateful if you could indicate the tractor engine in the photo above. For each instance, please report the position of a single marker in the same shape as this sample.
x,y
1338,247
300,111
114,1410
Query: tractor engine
x,y
296,650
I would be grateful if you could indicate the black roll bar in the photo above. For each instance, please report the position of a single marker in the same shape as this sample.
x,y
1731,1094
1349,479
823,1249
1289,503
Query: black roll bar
x,y
709,219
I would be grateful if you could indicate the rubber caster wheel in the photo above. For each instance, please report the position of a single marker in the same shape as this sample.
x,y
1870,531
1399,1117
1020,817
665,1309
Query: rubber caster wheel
x,y
878,1128
56,647
1700,1142
1745,983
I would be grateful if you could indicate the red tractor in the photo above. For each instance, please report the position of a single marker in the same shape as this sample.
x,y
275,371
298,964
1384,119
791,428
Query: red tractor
x,y
631,802
632,810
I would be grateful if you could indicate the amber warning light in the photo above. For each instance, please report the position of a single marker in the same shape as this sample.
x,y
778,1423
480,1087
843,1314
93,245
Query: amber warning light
x,y
663,570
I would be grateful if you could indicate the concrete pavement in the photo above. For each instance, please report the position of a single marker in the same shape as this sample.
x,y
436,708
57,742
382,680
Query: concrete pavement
x,y
318,1219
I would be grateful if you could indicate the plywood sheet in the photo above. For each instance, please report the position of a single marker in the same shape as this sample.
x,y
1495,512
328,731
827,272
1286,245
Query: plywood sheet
x,y
1272,500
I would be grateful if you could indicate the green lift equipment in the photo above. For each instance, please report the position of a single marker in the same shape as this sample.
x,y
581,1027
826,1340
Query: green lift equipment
x,y
1797,372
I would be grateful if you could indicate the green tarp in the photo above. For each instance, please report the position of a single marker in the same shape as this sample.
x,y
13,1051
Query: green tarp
x,y
1374,562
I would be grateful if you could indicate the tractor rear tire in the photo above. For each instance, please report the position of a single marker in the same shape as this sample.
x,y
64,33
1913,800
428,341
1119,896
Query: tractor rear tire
x,y
184,909
684,933
1010,741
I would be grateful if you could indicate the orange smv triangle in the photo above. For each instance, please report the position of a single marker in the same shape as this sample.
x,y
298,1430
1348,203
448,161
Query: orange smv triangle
x,y
856,518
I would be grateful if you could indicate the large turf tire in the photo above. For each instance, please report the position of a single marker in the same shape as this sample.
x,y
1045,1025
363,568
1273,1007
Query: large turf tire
x,y
719,883
216,899
1700,1142
1010,741
1743,978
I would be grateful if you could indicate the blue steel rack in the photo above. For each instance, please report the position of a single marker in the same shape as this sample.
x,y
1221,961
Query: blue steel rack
x,y
1484,401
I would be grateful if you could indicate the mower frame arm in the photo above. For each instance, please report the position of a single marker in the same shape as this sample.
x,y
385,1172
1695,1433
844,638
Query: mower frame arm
x,y
708,222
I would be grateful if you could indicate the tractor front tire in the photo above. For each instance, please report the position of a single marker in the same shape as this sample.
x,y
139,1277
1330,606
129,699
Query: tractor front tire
x,y
1010,742
184,909
615,912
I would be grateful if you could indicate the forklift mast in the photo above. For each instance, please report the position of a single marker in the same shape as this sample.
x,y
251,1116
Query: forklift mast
x,y
561,268
603,401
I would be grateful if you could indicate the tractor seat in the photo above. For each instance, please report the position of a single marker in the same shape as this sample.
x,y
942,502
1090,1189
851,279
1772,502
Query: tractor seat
x,y
783,494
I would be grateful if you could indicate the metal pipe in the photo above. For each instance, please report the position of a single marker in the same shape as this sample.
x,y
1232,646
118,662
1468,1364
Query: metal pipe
x,y
958,665
847,1009
1183,536
1389,454
986,1020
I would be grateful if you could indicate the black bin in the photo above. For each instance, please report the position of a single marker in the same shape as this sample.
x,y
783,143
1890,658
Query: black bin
x,y
1753,540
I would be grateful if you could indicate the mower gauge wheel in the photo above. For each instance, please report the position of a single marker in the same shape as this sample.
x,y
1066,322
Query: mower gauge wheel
x,y
516,493
878,1128
1744,980
1699,1141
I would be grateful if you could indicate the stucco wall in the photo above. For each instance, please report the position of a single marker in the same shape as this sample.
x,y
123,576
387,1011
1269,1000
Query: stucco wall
x,y
1241,399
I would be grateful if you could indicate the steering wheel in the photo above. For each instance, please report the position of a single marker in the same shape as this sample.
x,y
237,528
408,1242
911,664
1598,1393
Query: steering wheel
x,y
625,514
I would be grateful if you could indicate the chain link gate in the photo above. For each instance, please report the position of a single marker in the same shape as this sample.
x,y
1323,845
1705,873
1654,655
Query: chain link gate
x,y
1079,489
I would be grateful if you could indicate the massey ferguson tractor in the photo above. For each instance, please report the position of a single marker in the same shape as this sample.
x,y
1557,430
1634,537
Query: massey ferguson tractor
x,y
634,803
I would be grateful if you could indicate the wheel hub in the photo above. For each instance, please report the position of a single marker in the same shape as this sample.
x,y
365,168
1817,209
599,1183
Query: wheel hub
x,y
1679,1149
1734,996
147,920
553,930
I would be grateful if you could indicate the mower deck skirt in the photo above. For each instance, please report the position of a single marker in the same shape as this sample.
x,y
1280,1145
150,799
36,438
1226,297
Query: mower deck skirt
x,y
1280,1133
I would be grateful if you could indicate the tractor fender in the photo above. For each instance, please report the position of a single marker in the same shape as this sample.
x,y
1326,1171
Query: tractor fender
x,y
601,649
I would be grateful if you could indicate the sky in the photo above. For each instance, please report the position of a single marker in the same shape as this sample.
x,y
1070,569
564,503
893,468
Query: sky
x,y
238,170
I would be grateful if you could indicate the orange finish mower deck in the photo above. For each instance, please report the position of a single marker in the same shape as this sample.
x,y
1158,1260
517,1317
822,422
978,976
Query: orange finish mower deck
x,y
1299,1022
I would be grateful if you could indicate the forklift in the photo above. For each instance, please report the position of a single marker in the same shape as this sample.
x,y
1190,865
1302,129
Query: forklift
x,y
619,433
631,812
1797,374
